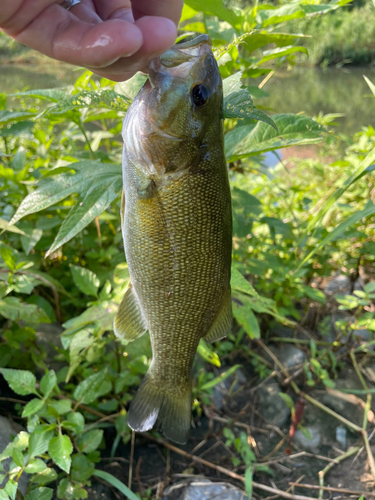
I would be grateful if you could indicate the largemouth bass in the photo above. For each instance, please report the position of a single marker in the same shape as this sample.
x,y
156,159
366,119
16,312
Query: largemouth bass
x,y
177,229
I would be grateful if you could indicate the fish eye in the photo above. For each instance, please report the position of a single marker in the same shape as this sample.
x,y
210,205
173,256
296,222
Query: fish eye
x,y
200,95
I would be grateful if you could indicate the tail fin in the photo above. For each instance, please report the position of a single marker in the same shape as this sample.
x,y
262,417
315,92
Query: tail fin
x,y
172,409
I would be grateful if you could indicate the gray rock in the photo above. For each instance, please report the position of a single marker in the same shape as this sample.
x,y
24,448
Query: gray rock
x,y
48,337
8,430
228,386
339,284
289,355
306,443
272,406
203,489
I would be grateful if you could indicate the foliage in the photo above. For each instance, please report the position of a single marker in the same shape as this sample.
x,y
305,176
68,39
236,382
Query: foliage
x,y
341,38
62,256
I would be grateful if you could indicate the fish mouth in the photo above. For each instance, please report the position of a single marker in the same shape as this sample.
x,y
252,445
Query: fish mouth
x,y
179,60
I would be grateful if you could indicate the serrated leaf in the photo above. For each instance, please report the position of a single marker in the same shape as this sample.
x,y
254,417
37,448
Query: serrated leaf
x,y
131,87
41,493
3,495
8,257
216,8
246,318
32,407
90,441
11,489
62,406
13,308
52,190
106,98
60,448
35,466
86,281
44,477
238,102
87,391
82,468
13,116
38,442
6,226
21,382
249,481
249,140
17,457
48,383
77,419
269,55
259,39
52,95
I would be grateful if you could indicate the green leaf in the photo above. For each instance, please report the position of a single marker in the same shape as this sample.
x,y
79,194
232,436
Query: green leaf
x,y
131,87
246,318
11,489
215,8
3,495
44,477
78,420
269,55
29,240
48,383
21,382
35,465
20,443
250,140
32,407
353,219
86,391
220,378
82,468
54,189
17,457
116,484
280,15
60,448
6,226
40,494
287,400
51,95
39,441
62,406
90,441
12,308
8,257
238,102
106,98
14,116
258,39
85,280
208,354
249,481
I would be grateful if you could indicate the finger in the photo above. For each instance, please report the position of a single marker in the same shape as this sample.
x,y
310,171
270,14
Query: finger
x,y
86,12
58,33
158,35
114,9
170,9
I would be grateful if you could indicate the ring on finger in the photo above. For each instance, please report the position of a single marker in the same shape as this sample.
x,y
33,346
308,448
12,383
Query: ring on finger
x,y
68,4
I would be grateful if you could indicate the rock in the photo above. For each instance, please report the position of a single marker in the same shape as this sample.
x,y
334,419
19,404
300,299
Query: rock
x,y
339,284
8,430
341,436
289,355
48,337
228,386
272,406
203,489
306,443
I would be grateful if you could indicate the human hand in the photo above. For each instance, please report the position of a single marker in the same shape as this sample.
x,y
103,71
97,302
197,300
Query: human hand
x,y
112,38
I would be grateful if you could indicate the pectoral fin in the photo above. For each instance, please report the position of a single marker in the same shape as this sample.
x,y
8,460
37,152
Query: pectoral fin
x,y
223,322
129,322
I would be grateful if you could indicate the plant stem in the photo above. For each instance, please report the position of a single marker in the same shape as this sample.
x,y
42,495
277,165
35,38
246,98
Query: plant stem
x,y
326,469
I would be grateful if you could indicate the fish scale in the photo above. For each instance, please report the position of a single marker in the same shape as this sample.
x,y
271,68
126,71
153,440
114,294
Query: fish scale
x,y
177,228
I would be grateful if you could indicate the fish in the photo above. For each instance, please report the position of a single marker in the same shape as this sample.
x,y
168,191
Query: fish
x,y
177,229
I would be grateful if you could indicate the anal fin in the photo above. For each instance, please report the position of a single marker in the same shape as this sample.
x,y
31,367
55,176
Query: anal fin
x,y
223,322
129,323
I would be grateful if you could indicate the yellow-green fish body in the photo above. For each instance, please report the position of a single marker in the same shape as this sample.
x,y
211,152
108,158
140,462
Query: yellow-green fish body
x,y
177,229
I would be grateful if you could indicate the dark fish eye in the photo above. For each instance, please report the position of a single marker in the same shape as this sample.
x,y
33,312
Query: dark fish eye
x,y
200,94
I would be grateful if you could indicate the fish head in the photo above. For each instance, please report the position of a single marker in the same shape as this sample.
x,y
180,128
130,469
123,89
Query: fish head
x,y
174,109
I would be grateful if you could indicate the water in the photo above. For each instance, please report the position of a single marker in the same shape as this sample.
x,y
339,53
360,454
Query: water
x,y
314,90
308,90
